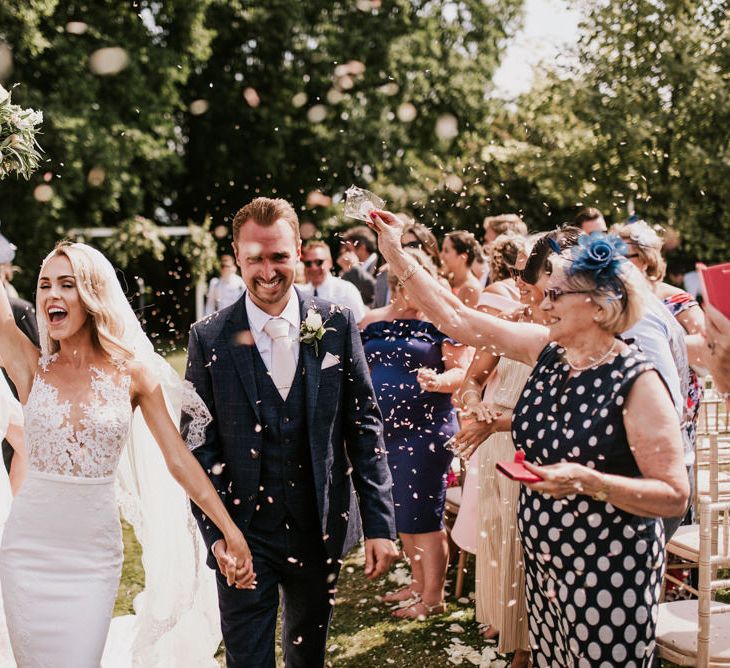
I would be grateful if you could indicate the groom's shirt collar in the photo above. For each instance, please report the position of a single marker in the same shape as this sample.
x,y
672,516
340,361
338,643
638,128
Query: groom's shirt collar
x,y
257,318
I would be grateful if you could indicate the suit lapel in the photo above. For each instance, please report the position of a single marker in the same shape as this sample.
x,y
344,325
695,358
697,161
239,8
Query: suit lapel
x,y
240,343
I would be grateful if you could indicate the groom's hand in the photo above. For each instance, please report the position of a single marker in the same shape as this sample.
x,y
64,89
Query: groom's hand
x,y
380,553
235,562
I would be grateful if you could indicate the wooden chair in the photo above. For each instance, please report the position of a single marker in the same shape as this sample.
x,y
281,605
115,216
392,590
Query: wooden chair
x,y
711,478
451,510
697,632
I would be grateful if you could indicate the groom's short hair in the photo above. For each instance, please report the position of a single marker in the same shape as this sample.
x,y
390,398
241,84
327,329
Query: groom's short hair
x,y
266,211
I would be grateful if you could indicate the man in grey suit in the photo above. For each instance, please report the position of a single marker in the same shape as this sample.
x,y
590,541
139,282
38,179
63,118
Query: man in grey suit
x,y
295,448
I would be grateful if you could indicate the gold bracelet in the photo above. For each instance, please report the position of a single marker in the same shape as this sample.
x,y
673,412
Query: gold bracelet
x,y
412,269
468,392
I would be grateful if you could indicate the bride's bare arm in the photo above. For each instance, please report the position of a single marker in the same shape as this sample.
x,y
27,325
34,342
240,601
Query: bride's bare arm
x,y
20,356
185,468
19,463
517,340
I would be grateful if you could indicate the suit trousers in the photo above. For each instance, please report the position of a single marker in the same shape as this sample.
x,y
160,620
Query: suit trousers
x,y
291,563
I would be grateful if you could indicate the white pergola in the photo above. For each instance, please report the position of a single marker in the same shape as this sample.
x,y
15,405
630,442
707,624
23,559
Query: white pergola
x,y
173,231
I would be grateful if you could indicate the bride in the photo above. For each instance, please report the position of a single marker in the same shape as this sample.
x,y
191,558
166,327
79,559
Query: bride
x,y
61,551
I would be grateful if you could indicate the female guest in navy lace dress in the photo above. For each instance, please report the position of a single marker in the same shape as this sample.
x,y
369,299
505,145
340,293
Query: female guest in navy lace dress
x,y
604,437
398,343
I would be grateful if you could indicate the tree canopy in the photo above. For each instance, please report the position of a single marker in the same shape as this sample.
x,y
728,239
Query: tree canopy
x,y
179,110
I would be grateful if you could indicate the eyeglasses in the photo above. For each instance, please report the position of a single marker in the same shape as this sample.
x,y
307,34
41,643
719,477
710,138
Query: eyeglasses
x,y
315,263
553,294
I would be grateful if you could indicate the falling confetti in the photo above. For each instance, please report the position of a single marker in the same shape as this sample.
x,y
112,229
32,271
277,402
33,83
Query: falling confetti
x,y
108,61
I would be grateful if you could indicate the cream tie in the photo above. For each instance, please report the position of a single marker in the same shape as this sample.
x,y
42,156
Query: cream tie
x,y
282,364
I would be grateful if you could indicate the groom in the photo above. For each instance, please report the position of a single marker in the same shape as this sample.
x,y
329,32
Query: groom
x,y
295,448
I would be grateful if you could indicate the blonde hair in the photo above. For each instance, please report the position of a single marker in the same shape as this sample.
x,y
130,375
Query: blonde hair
x,y
621,308
650,251
502,254
107,326
506,223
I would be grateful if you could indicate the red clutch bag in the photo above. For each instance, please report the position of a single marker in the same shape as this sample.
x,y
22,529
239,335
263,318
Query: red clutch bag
x,y
715,282
516,470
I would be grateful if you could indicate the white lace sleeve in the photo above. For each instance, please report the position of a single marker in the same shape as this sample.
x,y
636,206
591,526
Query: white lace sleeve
x,y
199,414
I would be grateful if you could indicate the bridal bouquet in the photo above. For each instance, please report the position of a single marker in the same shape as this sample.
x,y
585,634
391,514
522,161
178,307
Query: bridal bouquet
x,y
19,150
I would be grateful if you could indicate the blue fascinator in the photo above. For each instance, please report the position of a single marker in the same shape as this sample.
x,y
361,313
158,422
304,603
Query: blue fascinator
x,y
602,256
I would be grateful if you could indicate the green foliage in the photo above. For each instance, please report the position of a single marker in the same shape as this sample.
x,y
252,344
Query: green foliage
x,y
112,143
132,239
319,95
201,250
639,121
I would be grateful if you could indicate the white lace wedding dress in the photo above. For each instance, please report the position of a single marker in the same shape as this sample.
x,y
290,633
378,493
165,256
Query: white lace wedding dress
x,y
61,553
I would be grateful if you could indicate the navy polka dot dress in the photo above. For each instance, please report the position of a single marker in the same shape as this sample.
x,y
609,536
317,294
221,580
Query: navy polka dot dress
x,y
593,572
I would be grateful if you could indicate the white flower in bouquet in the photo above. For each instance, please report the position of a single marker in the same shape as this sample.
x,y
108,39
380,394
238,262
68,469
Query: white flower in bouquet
x,y
19,150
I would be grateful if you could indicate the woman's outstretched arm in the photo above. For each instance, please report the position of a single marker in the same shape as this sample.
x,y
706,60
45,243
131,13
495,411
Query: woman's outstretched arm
x,y
516,340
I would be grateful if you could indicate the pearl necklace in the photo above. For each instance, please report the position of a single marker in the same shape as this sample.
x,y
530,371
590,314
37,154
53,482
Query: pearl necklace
x,y
594,363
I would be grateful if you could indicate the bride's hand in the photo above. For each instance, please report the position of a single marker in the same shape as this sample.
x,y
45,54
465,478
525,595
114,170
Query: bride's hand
x,y
389,229
235,561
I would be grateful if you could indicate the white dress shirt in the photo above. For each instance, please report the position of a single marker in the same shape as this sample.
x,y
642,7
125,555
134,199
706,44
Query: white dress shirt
x,y
340,292
222,293
258,318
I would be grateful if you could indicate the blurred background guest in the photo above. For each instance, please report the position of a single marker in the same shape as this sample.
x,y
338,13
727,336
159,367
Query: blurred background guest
x,y
644,249
590,220
317,261
417,423
457,255
415,235
505,223
502,255
358,260
226,289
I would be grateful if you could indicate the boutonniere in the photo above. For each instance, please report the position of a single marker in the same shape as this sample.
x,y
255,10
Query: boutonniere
x,y
313,329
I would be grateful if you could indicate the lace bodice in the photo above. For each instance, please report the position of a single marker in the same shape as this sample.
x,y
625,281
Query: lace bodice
x,y
90,449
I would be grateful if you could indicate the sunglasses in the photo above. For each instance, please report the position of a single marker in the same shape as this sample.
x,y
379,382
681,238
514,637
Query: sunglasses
x,y
553,294
516,273
313,263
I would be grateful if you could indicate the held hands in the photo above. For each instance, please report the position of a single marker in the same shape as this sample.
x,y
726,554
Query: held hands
x,y
380,553
429,380
235,561
466,441
559,480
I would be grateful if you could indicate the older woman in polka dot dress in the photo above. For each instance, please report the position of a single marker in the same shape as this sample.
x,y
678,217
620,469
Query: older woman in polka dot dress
x,y
602,433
